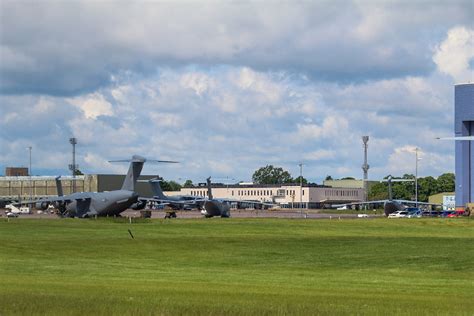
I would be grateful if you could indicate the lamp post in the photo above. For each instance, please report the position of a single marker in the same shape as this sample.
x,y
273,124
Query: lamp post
x,y
73,166
29,173
416,175
301,187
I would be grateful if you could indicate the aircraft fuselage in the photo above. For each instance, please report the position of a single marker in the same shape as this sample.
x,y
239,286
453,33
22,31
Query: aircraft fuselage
x,y
102,203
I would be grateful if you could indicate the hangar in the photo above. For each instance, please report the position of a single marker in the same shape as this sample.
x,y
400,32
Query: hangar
x,y
464,126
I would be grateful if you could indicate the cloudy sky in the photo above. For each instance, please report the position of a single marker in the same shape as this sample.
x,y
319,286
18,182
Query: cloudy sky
x,y
227,87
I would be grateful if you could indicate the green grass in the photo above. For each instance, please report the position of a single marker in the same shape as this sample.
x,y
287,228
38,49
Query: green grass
x,y
237,267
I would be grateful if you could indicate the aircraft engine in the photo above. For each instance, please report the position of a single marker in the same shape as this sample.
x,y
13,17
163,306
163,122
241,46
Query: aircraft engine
x,y
215,208
58,204
42,205
391,207
140,205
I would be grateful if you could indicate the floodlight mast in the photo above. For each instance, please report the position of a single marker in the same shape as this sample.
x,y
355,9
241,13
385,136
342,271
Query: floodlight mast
x,y
73,166
365,166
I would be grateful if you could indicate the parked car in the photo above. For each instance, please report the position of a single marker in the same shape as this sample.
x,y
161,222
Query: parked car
x,y
431,213
413,212
455,214
398,214
11,214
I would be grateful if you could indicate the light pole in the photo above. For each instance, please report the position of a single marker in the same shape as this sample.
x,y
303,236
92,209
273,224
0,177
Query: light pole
x,y
301,187
29,173
73,166
416,175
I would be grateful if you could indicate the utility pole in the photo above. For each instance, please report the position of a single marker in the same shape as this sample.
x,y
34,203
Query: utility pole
x,y
73,166
365,167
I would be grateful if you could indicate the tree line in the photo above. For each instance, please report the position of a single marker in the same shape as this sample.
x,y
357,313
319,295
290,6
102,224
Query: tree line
x,y
406,190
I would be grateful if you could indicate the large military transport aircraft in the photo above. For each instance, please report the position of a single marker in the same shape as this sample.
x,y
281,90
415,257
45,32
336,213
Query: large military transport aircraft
x,y
215,207
176,202
221,207
109,203
390,205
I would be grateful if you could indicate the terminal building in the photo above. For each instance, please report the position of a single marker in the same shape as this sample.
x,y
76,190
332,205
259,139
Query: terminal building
x,y
464,126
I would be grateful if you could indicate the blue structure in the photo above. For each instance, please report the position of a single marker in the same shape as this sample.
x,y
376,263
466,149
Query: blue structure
x,y
464,126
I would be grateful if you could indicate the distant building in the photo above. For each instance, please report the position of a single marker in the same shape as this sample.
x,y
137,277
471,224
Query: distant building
x,y
349,183
40,186
16,171
287,195
464,126
446,199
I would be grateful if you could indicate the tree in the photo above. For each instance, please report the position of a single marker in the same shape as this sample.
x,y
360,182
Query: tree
x,y
348,178
271,175
78,172
170,185
446,182
297,180
378,191
328,177
427,186
188,183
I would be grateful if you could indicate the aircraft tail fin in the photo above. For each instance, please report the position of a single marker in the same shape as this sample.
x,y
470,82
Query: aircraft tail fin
x,y
156,188
209,189
59,187
136,166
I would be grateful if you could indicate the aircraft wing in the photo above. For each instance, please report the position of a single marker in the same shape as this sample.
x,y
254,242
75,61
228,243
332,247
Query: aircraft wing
x,y
457,138
360,203
165,201
245,202
47,200
414,202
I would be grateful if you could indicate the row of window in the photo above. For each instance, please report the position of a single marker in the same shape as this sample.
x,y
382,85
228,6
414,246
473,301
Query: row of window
x,y
239,193
251,192
341,193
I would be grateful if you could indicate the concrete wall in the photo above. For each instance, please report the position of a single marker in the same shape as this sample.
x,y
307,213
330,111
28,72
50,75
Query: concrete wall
x,y
38,186
45,185
464,126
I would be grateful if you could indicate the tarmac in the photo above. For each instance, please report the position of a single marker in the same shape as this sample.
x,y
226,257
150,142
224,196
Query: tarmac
x,y
296,214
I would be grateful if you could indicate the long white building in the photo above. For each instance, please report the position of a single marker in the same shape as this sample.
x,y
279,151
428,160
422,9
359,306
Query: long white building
x,y
287,195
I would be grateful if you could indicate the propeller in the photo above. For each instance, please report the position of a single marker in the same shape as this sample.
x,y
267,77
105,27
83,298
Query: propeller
x,y
137,158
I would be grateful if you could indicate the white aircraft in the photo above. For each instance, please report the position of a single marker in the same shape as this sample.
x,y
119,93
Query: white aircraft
x,y
456,138
15,210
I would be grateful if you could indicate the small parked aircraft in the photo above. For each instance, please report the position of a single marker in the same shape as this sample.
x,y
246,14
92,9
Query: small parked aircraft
x,y
176,202
390,205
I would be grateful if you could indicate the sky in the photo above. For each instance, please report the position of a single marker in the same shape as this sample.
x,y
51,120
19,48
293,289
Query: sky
x,y
227,87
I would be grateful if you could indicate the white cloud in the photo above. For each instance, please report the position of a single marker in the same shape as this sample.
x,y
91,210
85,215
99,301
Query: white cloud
x,y
366,41
92,105
160,117
320,154
454,54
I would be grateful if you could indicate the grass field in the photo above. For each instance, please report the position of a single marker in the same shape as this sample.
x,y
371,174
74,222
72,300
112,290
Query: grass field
x,y
237,267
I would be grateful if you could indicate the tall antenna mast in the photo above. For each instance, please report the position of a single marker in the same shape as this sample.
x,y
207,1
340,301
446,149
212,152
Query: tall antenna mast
x,y
365,166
